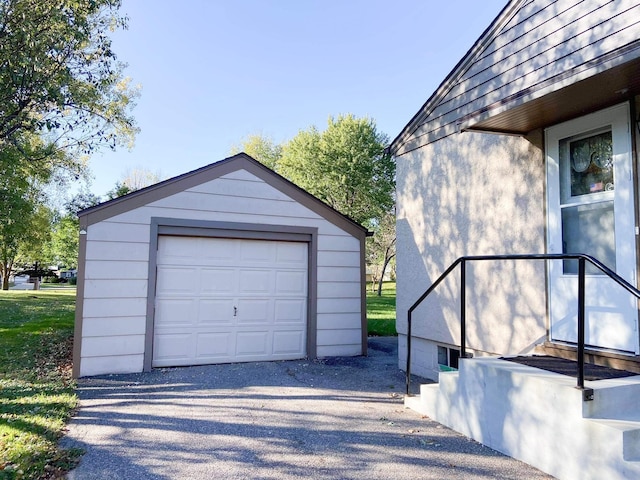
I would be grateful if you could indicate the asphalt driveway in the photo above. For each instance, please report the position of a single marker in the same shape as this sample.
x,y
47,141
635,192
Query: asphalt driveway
x,y
332,419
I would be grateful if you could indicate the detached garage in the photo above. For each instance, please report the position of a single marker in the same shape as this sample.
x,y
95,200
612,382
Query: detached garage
x,y
228,263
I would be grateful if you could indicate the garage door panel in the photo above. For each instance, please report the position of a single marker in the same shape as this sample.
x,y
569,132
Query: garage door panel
x,y
175,311
291,283
175,250
252,343
255,253
229,300
215,311
217,251
294,254
217,281
215,346
255,282
176,346
176,280
253,311
290,311
288,342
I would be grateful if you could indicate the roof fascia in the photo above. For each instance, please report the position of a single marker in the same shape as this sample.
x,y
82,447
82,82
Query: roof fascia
x,y
454,76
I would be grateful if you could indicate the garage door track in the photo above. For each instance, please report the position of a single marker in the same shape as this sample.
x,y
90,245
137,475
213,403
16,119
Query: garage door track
x,y
328,419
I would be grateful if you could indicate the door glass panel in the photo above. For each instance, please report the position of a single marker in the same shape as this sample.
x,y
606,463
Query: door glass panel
x,y
588,164
586,198
589,229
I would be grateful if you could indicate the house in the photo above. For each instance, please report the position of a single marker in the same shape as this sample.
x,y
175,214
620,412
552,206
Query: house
x,y
529,146
68,274
227,263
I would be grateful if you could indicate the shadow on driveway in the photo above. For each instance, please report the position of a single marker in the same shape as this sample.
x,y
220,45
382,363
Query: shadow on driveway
x,y
328,419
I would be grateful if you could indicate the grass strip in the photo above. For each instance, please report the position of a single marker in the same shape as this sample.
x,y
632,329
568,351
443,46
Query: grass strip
x,y
381,310
37,392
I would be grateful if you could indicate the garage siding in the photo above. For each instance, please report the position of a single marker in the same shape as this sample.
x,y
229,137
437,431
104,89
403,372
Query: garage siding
x,y
117,268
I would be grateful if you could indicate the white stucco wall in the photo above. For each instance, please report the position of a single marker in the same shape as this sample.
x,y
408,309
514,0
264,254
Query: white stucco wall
x,y
471,194
117,258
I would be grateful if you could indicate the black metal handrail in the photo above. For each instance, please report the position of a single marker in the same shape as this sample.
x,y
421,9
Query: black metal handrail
x,y
462,261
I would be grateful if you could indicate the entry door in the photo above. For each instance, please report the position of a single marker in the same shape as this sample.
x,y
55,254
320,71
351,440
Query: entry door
x,y
591,210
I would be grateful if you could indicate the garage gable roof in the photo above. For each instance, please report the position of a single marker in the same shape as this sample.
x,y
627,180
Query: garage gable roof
x,y
241,161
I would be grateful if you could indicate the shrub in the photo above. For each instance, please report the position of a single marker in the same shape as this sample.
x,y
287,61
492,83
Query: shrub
x,y
73,280
50,280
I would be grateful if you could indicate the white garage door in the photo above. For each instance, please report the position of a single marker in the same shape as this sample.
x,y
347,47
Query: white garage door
x,y
227,300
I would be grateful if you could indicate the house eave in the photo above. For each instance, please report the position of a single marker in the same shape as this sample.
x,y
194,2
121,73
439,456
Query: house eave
x,y
450,80
606,81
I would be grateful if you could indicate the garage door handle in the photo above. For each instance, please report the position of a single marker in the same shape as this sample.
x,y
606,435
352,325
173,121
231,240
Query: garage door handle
x,y
235,311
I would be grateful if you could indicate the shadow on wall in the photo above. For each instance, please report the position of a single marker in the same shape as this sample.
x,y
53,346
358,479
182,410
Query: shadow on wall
x,y
474,194
428,321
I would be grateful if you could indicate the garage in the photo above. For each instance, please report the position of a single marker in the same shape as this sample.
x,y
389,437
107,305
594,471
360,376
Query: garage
x,y
227,263
221,300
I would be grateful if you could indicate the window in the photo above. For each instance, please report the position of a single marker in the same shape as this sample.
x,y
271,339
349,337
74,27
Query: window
x,y
586,198
448,357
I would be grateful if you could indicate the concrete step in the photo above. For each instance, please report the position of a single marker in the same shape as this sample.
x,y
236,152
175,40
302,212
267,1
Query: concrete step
x,y
627,432
540,417
616,398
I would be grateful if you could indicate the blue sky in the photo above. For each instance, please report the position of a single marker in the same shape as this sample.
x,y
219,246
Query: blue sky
x,y
214,71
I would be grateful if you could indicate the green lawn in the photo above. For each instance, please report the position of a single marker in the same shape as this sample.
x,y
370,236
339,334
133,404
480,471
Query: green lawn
x,y
57,286
381,311
36,389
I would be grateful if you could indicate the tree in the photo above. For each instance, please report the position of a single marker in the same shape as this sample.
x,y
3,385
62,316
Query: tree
x,y
381,247
60,80
82,200
23,216
119,190
64,241
346,166
139,177
34,248
65,230
132,180
261,148
16,208
62,96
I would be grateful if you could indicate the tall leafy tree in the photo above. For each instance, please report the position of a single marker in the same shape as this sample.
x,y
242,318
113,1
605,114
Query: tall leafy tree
x,y
15,211
65,241
65,230
261,148
59,77
62,96
345,165
22,210
34,249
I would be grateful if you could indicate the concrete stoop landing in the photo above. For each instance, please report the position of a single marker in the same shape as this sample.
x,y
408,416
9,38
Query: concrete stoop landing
x,y
540,417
